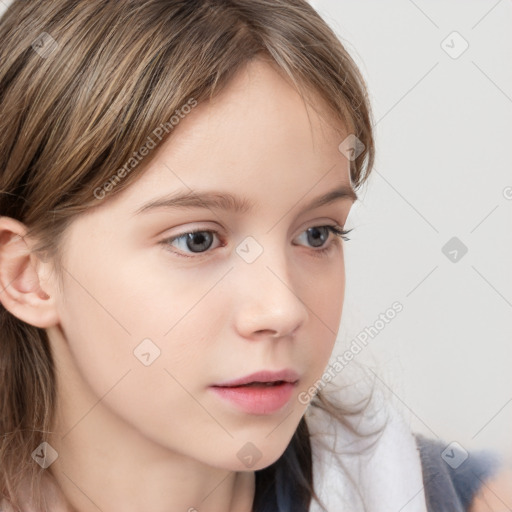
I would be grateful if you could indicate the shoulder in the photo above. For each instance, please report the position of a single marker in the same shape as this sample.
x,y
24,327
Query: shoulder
x,y
455,480
495,494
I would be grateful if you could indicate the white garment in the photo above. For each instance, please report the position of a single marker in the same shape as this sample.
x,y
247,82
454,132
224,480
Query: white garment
x,y
389,477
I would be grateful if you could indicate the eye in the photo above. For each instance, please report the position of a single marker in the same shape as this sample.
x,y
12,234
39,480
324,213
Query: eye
x,y
199,241
321,233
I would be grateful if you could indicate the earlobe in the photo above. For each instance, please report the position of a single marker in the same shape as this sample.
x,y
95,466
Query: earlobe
x,y
21,287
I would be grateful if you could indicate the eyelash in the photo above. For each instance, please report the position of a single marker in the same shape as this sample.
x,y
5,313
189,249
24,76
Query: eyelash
x,y
337,231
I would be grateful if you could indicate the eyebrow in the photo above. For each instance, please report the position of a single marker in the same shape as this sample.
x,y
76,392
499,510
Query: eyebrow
x,y
226,201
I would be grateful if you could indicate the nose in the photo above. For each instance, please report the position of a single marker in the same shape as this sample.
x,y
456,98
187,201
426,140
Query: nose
x,y
267,300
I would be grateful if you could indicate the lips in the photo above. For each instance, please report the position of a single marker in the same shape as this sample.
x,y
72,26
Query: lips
x,y
259,384
256,398
263,378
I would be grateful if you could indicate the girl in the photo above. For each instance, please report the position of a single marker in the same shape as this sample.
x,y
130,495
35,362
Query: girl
x,y
175,181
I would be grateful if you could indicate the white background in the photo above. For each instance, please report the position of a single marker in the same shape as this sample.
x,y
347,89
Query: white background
x,y
444,136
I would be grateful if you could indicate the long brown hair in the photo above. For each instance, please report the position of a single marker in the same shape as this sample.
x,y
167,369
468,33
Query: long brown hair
x,y
83,84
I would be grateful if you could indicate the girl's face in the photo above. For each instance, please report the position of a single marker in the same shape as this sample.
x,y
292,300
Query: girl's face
x,y
149,321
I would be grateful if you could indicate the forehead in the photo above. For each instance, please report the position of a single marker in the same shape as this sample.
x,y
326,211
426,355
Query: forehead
x,y
257,136
261,109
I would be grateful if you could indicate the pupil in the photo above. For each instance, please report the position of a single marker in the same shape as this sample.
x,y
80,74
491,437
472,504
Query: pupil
x,y
199,238
316,230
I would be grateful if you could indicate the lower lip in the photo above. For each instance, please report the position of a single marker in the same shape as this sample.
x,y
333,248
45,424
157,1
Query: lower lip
x,y
257,399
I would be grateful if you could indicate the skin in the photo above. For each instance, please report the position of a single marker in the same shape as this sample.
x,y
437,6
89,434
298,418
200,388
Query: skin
x,y
133,437
495,495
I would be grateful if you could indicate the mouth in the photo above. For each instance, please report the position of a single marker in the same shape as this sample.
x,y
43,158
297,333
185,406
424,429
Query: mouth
x,y
263,378
258,384
257,398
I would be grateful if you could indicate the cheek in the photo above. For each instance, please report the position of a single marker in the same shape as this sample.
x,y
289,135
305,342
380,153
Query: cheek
x,y
325,306
116,322
131,314
157,399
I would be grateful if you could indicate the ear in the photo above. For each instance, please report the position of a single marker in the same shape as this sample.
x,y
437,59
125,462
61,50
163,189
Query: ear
x,y
24,289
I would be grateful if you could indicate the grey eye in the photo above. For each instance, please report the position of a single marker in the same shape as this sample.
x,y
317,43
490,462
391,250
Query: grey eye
x,y
195,242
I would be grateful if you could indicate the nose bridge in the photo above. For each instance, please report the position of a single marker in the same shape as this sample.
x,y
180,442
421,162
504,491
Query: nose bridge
x,y
267,298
